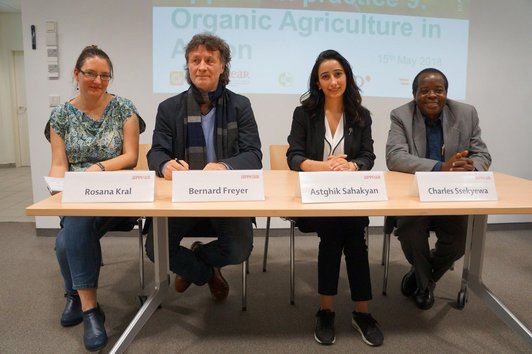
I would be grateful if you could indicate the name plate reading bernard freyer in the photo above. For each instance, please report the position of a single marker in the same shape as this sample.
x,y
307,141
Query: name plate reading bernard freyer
x,y
455,186
109,187
217,186
348,186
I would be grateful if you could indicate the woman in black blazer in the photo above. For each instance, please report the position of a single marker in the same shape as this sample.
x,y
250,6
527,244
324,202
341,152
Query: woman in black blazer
x,y
331,131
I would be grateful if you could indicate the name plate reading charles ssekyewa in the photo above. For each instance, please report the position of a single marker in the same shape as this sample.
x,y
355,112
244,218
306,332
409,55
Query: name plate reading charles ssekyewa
x,y
109,187
217,186
455,186
336,186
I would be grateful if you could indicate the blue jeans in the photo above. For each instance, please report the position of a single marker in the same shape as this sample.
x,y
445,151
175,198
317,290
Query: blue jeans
x,y
78,251
232,246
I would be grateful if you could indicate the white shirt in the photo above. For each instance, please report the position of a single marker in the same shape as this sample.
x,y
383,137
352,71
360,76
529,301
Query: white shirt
x,y
333,145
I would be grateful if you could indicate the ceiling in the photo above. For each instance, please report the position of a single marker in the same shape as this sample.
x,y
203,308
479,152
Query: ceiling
x,y
9,5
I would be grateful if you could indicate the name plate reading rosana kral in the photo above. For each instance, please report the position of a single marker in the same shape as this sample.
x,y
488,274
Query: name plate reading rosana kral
x,y
334,187
455,186
217,186
109,187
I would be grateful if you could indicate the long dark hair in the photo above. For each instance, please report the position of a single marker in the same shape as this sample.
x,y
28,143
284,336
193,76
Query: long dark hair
x,y
313,100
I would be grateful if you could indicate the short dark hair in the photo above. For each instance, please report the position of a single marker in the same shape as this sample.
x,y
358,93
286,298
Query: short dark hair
x,y
415,83
212,43
92,51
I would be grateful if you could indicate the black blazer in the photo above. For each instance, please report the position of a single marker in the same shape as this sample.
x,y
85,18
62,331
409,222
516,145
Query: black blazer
x,y
306,140
169,136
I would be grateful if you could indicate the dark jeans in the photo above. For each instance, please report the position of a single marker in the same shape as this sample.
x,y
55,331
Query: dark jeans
x,y
413,233
337,235
233,245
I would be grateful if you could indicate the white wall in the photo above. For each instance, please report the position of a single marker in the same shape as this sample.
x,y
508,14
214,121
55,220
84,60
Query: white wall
x,y
10,40
499,79
500,84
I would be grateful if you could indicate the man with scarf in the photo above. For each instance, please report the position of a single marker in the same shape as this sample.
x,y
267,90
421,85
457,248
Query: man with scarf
x,y
207,127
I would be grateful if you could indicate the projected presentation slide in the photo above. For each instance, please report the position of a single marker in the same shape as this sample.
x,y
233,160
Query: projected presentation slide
x,y
274,43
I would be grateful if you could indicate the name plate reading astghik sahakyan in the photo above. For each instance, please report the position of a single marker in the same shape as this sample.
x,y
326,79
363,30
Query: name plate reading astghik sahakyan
x,y
334,187
217,186
455,186
109,187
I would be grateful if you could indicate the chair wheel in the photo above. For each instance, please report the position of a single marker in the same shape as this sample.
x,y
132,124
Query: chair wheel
x,y
461,299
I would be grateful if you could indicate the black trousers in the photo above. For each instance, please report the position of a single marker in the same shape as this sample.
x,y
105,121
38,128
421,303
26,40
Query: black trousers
x,y
413,233
337,235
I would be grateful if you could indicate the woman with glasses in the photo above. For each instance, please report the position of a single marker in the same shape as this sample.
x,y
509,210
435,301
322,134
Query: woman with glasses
x,y
331,131
93,132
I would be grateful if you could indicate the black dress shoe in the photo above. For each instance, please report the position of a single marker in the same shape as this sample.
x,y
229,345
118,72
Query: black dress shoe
x,y
94,337
409,283
424,299
72,314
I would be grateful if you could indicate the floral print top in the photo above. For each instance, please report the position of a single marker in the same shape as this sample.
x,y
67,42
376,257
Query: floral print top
x,y
88,141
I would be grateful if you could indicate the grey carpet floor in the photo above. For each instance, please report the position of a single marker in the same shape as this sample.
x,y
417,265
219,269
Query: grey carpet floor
x,y
32,301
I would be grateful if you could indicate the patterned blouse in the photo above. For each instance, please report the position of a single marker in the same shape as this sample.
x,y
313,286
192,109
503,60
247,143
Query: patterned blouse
x,y
88,141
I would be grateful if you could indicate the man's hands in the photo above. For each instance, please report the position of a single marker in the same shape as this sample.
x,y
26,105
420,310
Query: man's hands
x,y
173,165
181,165
213,166
459,162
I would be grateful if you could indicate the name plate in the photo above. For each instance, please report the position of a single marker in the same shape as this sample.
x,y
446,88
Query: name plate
x,y
109,187
333,187
217,186
455,186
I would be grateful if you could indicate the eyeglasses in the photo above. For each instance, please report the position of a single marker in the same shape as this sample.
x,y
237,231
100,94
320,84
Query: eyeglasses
x,y
92,75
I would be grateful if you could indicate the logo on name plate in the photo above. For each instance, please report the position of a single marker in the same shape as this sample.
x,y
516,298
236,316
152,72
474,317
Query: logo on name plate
x,y
140,177
249,176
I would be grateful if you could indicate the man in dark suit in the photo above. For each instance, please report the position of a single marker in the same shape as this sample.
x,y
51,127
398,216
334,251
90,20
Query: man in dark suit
x,y
206,127
433,133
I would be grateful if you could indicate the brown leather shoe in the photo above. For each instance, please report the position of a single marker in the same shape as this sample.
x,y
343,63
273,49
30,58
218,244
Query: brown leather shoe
x,y
218,285
181,284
